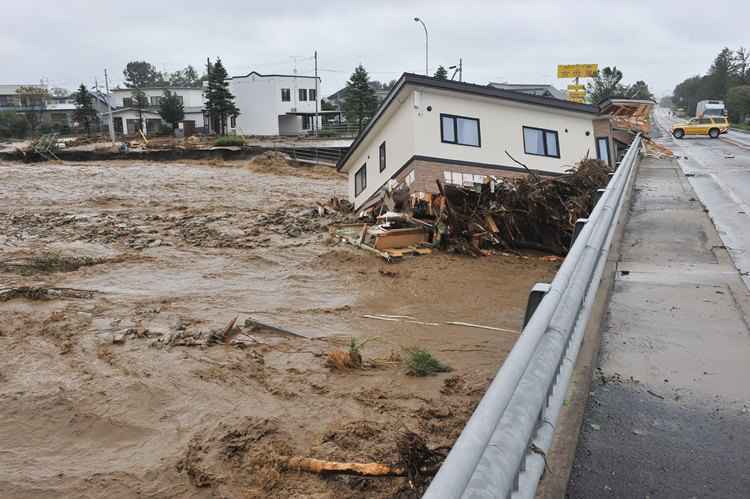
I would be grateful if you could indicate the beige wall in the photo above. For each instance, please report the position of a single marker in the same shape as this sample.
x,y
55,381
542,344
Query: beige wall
x,y
398,133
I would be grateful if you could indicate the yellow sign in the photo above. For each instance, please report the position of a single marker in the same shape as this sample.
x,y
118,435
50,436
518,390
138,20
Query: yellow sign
x,y
576,70
577,98
576,88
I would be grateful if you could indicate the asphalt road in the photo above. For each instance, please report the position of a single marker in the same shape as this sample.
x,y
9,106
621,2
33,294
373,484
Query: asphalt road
x,y
719,171
669,411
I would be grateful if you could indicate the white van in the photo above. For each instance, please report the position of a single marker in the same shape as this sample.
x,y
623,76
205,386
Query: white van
x,y
708,108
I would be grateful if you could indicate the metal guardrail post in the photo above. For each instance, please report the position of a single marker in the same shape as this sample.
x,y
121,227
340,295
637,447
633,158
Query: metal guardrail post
x,y
580,224
535,298
598,195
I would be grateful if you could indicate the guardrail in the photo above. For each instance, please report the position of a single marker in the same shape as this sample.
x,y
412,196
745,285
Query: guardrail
x,y
501,452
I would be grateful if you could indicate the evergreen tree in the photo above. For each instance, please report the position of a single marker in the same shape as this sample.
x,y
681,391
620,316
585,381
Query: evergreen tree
x,y
140,102
361,103
720,74
441,73
219,100
605,84
85,114
171,109
738,103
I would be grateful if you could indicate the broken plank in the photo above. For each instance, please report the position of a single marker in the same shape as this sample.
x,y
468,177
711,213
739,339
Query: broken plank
x,y
480,326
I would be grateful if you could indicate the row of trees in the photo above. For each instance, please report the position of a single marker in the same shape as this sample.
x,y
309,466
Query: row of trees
x,y
727,79
140,74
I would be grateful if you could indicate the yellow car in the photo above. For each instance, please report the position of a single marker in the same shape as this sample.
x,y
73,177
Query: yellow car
x,y
713,127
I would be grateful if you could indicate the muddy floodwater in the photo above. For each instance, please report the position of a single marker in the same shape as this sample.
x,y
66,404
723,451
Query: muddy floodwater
x,y
109,389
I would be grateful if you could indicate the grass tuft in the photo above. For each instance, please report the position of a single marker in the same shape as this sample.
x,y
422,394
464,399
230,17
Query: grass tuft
x,y
422,363
230,140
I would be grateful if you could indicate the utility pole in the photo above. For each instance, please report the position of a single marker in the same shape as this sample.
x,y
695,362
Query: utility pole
x,y
460,69
109,107
317,97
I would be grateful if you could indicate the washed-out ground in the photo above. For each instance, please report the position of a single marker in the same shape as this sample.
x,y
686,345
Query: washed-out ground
x,y
101,397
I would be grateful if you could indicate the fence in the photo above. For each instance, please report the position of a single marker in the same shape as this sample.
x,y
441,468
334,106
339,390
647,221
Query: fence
x,y
501,451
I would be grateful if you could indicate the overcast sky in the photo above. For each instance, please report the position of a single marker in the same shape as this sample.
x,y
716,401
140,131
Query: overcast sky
x,y
659,41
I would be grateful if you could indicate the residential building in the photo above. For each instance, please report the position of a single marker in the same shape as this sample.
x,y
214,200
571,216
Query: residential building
x,y
542,90
126,117
428,129
275,104
54,111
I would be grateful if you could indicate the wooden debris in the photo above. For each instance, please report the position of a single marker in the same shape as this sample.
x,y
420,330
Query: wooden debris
x,y
320,466
480,326
40,293
257,325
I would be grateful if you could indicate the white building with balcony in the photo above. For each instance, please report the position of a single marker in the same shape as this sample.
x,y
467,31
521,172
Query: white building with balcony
x,y
275,104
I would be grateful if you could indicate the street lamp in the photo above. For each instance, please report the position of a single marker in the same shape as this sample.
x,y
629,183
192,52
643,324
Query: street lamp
x,y
426,47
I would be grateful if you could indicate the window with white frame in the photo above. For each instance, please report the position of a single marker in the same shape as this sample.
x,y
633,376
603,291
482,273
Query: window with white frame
x,y
602,149
127,101
541,142
302,94
360,180
155,101
460,130
382,156
233,121
286,95
311,94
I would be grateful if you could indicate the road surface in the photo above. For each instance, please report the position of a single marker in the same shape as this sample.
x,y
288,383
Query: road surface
x,y
719,171
669,410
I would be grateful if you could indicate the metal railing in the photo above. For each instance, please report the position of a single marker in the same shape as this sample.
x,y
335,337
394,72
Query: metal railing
x,y
501,452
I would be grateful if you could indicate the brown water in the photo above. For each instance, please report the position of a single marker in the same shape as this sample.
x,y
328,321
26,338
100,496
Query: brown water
x,y
187,247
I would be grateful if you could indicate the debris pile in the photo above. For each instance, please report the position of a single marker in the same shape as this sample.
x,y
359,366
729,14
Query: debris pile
x,y
529,212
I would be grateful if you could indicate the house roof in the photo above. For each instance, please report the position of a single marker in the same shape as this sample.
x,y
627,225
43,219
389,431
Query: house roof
x,y
155,88
10,89
462,88
530,88
271,75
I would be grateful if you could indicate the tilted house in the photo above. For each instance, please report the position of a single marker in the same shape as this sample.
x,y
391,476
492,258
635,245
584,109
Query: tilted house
x,y
428,129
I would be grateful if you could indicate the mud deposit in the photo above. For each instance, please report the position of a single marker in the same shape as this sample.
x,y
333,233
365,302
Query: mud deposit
x,y
111,387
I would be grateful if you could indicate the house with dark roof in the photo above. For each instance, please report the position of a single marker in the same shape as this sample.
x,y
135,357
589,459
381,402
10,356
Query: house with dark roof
x,y
275,104
428,129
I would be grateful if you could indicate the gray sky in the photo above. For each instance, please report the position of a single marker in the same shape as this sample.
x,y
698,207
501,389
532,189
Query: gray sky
x,y
659,41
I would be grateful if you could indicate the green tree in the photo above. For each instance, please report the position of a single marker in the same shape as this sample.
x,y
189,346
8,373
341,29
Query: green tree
x,y
361,103
738,103
187,77
140,74
13,125
721,74
741,66
441,73
688,93
219,100
605,85
85,114
171,109
639,90
140,102
33,100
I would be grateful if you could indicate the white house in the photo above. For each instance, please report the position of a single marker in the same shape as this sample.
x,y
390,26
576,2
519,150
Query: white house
x,y
275,104
125,116
428,129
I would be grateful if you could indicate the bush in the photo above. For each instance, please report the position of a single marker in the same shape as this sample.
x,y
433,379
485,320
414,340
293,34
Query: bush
x,y
13,125
421,363
230,140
